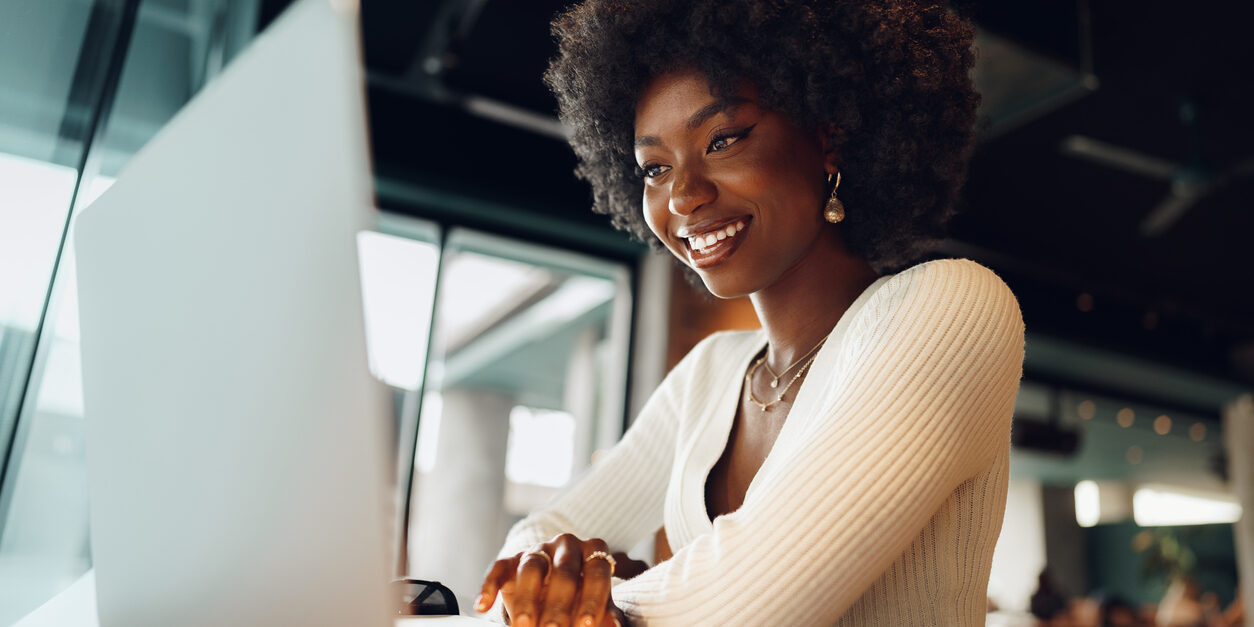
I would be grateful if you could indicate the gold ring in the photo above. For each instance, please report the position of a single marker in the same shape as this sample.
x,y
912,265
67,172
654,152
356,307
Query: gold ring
x,y
603,555
547,560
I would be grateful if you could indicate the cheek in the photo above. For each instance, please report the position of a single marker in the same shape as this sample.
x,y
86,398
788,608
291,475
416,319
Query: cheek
x,y
655,211
788,171
769,179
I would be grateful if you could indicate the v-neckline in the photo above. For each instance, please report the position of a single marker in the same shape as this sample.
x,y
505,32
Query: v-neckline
x,y
730,426
720,425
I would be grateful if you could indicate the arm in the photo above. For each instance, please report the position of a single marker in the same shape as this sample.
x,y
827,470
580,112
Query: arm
x,y
920,400
620,500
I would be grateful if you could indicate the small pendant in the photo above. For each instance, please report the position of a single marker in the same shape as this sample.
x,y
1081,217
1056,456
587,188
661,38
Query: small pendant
x,y
774,383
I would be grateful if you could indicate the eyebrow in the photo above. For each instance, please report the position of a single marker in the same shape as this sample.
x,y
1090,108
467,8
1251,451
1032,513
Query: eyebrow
x,y
696,119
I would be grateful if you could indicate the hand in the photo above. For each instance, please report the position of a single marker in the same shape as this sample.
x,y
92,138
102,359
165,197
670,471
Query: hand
x,y
567,589
627,568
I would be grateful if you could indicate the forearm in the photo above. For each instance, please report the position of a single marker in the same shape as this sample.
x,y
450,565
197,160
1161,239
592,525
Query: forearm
x,y
923,404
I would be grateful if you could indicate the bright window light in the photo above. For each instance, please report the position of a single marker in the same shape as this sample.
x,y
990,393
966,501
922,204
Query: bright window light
x,y
541,447
34,203
429,431
478,289
1088,503
1160,506
398,287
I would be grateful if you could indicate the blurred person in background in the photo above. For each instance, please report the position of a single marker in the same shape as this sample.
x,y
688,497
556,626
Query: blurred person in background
x,y
847,463
1118,612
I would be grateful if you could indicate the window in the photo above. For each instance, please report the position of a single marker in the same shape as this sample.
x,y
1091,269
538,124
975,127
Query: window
x,y
526,380
83,85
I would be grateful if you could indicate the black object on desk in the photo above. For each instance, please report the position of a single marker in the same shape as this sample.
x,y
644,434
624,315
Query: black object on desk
x,y
425,598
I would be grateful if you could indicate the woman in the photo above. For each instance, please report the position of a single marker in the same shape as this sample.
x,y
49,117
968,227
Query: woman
x,y
847,463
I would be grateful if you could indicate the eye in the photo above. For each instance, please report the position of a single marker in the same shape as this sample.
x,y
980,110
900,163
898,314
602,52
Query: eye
x,y
724,141
651,170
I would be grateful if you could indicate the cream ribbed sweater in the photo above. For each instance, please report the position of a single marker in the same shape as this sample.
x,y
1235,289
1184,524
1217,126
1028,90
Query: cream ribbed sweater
x,y
882,498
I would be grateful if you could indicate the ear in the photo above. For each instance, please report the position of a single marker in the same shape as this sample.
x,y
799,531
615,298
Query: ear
x,y
830,136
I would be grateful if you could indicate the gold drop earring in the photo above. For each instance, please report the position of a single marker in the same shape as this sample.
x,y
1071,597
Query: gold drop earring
x,y
835,210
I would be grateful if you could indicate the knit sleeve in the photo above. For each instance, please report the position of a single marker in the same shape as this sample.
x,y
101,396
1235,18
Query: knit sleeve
x,y
918,400
621,497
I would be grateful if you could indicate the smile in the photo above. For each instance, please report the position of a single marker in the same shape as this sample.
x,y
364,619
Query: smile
x,y
713,247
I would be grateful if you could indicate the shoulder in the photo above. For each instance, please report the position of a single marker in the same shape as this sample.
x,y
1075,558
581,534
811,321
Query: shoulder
x,y
958,279
944,301
945,287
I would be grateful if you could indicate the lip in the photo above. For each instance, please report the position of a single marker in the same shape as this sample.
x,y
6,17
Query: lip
x,y
703,227
719,252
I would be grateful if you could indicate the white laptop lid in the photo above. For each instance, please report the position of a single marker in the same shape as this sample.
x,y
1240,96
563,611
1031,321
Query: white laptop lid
x,y
235,438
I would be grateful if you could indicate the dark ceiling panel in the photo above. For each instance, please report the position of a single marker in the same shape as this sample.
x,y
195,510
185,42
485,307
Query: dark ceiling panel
x,y
396,30
518,31
1052,224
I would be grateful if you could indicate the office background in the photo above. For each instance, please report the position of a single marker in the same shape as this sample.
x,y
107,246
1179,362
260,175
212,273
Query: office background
x,y
1111,189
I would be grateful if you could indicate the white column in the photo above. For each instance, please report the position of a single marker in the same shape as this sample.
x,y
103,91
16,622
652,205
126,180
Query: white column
x,y
1239,440
652,326
458,522
580,395
1020,553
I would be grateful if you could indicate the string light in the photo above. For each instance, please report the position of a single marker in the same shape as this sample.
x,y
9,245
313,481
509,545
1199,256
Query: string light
x,y
1086,410
1197,432
1084,302
1125,417
1162,425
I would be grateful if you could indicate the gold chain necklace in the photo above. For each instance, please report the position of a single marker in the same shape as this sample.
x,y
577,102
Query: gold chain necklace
x,y
749,383
776,377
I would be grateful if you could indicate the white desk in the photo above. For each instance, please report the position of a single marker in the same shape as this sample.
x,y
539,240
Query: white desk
x,y
76,607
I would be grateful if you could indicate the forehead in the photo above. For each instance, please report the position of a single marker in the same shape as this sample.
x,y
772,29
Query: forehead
x,y
672,99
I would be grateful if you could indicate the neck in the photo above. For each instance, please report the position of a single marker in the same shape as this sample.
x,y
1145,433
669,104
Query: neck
x,y
802,307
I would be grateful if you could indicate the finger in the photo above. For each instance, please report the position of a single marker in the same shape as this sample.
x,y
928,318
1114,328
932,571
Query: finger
x,y
562,589
507,598
614,617
595,592
528,585
498,574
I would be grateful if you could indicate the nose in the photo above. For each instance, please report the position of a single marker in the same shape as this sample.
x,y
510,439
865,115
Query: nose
x,y
690,189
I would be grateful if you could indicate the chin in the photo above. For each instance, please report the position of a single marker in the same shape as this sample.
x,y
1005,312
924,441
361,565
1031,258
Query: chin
x,y
725,287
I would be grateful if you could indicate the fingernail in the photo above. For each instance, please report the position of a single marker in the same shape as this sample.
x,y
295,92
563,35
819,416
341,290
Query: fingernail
x,y
523,620
587,620
552,623
481,604
617,623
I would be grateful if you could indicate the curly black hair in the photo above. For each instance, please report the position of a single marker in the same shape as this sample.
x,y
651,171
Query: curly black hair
x,y
890,76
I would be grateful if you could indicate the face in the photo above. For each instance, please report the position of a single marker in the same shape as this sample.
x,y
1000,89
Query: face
x,y
734,191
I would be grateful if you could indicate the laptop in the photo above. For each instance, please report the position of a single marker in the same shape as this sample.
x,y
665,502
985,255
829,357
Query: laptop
x,y
236,440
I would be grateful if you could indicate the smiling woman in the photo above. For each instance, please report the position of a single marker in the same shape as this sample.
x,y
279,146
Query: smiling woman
x,y
709,163
847,463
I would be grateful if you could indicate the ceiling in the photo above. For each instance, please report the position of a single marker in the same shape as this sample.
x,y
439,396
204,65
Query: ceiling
x,y
458,109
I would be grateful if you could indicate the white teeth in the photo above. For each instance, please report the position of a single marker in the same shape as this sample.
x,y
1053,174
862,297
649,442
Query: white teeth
x,y
702,242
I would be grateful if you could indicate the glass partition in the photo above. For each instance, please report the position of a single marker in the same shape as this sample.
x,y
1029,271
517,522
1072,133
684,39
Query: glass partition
x,y
399,268
69,121
526,381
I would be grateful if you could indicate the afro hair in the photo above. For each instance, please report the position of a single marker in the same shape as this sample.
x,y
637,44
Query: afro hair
x,y
890,78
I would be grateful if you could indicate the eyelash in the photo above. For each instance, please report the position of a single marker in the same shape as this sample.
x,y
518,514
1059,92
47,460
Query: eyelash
x,y
735,135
